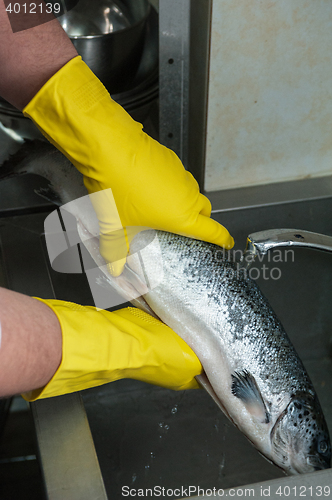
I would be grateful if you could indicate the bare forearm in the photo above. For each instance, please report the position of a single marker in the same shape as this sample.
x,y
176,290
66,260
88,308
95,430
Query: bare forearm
x,y
29,58
30,343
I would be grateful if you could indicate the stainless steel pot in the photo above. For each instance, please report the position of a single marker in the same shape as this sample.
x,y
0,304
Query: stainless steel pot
x,y
109,35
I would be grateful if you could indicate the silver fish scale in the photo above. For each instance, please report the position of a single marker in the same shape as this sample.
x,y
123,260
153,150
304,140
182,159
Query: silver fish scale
x,y
210,288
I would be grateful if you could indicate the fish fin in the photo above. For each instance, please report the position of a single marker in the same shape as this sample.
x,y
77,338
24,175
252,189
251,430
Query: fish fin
x,y
244,387
49,194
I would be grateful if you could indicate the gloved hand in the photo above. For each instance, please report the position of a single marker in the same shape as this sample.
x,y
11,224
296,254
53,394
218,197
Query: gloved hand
x,y
149,184
101,346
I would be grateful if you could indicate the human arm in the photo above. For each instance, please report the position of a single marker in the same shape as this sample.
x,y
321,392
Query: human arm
x,y
53,347
31,343
29,58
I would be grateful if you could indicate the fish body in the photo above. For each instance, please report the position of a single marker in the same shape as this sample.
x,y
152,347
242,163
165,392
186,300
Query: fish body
x,y
258,379
245,351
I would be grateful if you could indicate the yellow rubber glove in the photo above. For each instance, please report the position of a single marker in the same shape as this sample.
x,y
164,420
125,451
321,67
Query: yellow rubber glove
x,y
101,346
150,186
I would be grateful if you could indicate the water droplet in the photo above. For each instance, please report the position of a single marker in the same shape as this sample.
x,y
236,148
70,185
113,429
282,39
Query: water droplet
x,y
174,409
221,464
133,477
166,427
161,424
147,467
152,455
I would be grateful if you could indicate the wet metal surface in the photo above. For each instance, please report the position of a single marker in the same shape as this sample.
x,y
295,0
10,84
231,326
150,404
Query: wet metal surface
x,y
146,436
149,445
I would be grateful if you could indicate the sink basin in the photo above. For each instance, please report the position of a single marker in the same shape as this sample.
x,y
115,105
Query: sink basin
x,y
148,437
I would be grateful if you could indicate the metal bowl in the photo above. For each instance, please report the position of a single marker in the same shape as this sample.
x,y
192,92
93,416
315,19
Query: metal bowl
x,y
109,35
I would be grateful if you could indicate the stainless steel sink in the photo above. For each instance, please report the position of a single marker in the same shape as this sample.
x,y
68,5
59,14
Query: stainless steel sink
x,y
147,436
